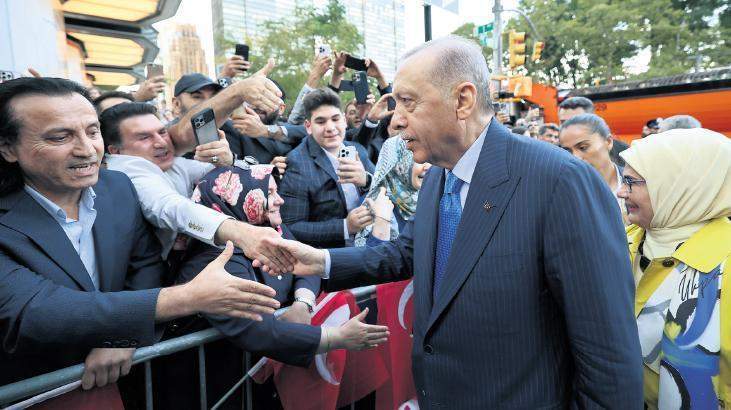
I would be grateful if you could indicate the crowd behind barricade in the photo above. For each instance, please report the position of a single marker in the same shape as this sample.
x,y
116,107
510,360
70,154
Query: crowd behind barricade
x,y
120,227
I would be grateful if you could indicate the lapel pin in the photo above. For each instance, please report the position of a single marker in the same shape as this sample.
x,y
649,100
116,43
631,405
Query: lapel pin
x,y
488,206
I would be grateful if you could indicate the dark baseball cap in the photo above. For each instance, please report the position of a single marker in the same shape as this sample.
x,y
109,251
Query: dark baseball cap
x,y
191,83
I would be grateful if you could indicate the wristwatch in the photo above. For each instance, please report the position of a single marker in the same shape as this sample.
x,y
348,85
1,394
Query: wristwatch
x,y
308,303
272,130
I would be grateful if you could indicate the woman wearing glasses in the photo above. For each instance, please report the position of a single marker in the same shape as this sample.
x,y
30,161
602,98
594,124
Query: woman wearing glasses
x,y
587,137
677,190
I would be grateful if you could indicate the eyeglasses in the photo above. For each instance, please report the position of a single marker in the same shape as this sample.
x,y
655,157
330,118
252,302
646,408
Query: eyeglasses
x,y
629,181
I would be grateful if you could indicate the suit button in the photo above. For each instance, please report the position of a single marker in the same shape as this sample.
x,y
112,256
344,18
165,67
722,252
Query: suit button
x,y
668,262
428,349
107,344
423,392
124,343
133,343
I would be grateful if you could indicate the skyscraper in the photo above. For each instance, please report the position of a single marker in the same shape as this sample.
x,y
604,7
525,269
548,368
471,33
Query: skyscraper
x,y
381,22
185,54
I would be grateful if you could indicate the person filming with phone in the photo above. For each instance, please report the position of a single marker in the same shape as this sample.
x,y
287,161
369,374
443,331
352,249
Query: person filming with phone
x,y
326,178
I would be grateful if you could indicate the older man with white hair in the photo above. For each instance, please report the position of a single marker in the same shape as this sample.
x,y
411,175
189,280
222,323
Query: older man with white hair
x,y
679,121
523,291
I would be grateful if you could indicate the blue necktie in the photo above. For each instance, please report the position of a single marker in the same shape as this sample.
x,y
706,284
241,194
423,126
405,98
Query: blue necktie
x,y
450,212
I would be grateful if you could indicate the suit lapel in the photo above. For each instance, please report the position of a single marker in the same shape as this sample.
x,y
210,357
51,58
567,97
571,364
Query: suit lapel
x,y
322,161
490,191
29,218
104,238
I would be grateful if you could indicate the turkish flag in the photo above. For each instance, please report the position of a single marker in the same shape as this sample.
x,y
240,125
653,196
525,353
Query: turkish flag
x,y
396,310
318,386
106,397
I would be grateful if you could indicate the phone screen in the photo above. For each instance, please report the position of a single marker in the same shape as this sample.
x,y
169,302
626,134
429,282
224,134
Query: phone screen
x,y
357,64
243,51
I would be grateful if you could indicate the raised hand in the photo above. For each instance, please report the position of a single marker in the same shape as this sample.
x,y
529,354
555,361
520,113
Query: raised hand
x,y
234,66
380,109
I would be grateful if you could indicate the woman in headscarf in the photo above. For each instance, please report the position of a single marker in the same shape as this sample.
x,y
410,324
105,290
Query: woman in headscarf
x,y
397,178
677,190
250,195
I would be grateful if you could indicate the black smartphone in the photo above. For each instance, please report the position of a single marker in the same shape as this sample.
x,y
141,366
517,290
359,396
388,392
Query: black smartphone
x,y
204,127
360,86
357,64
154,70
243,51
391,104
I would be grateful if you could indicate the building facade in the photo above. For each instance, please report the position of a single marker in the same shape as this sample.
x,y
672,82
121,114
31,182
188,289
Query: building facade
x,y
185,53
381,22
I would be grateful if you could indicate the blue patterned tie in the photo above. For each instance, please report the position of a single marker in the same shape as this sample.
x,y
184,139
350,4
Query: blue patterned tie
x,y
450,212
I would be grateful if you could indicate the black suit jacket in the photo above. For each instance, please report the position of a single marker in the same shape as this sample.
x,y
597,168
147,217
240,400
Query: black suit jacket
x,y
536,309
50,314
314,203
263,149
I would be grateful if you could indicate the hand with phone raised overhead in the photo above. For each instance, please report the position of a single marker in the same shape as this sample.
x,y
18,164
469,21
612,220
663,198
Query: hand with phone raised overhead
x,y
338,69
375,72
150,88
234,66
320,65
380,109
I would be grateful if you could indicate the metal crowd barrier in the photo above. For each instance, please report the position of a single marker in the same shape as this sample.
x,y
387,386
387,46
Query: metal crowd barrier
x,y
46,386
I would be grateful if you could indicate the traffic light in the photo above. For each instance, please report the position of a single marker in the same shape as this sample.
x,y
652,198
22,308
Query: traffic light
x,y
537,49
516,48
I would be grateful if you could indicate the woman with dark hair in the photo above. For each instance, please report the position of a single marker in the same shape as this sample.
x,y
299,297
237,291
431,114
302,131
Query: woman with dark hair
x,y
250,195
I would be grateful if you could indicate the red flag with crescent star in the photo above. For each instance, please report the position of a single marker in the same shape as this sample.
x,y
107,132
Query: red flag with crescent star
x,y
396,310
334,379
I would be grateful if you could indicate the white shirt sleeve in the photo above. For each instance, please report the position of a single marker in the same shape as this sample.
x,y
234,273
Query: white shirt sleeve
x,y
163,206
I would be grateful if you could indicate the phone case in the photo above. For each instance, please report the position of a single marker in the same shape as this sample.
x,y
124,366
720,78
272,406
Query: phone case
x,y
204,126
357,64
243,51
360,87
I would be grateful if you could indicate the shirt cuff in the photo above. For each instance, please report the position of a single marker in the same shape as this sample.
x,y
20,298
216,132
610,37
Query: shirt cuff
x,y
370,124
346,234
205,228
284,130
326,274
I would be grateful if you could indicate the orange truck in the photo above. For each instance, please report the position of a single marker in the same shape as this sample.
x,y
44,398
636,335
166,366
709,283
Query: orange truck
x,y
628,106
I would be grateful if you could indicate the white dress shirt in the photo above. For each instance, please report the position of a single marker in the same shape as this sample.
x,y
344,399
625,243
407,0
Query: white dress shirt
x,y
165,198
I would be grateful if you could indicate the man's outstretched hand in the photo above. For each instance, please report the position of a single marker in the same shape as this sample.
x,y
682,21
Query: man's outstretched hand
x,y
309,261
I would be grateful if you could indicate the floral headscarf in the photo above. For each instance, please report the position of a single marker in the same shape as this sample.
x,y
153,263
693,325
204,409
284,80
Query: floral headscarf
x,y
239,192
393,172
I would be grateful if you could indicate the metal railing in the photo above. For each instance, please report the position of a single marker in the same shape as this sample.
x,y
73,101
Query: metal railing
x,y
48,385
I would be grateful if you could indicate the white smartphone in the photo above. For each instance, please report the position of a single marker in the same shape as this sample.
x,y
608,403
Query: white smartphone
x,y
322,50
348,152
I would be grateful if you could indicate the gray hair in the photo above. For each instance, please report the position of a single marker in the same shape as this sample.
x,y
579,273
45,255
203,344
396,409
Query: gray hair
x,y
679,121
459,60
593,122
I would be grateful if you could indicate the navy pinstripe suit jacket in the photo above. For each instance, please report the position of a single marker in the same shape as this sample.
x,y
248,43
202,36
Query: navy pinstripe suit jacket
x,y
536,310
314,203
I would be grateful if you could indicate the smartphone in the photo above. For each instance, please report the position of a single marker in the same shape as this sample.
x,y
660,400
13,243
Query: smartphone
x,y
7,76
357,64
204,127
391,104
348,152
243,51
322,50
360,86
154,70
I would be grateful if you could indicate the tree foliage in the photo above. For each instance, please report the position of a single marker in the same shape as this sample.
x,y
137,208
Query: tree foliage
x,y
592,41
291,42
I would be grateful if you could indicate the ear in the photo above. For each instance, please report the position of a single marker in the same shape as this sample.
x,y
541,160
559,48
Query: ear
x,y
113,149
308,127
610,142
466,94
8,153
176,106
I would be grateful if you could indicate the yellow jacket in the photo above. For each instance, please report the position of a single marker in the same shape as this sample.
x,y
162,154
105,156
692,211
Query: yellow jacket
x,y
704,251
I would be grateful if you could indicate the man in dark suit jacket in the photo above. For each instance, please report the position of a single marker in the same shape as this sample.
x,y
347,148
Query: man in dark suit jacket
x,y
523,292
322,193
80,268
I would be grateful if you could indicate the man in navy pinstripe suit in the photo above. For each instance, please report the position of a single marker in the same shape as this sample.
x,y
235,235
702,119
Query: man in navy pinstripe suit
x,y
522,284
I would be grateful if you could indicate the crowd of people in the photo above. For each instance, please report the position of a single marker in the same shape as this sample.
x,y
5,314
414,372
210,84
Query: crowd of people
x,y
554,265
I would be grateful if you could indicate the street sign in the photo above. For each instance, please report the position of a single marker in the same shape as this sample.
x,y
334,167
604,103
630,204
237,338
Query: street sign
x,y
484,34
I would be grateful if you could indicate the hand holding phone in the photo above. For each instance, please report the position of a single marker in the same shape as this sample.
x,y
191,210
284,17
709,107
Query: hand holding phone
x,y
348,152
322,50
154,70
243,51
204,127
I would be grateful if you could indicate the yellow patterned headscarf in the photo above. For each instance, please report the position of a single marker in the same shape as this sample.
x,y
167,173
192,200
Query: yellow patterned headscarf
x,y
688,174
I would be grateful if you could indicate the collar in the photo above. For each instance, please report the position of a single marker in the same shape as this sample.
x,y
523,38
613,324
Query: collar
x,y
87,201
705,250
466,165
708,247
